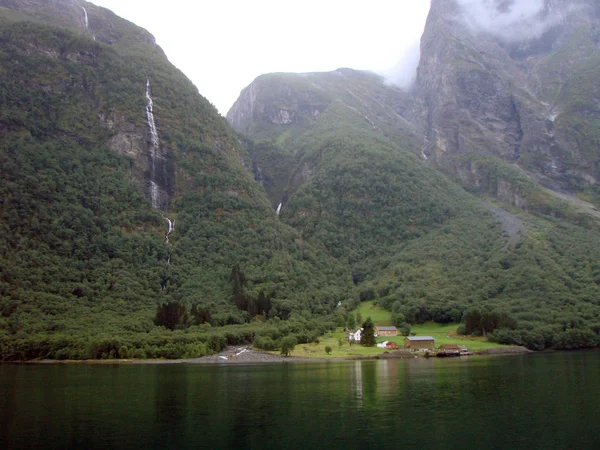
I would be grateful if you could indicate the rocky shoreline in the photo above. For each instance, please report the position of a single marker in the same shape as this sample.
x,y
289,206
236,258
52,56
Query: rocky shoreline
x,y
247,355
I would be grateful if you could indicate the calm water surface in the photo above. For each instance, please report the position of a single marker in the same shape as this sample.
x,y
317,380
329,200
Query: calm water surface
x,y
529,401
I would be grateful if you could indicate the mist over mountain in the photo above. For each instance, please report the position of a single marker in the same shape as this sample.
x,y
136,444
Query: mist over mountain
x,y
514,20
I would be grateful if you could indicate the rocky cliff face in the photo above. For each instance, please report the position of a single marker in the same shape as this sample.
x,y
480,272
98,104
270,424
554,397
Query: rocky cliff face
x,y
493,83
130,131
285,109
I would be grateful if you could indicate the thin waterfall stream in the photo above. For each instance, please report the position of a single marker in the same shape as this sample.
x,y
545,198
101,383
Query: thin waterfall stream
x,y
85,18
154,147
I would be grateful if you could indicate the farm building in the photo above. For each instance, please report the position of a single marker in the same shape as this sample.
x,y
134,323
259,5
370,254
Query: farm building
x,y
386,331
451,347
354,336
449,350
388,345
418,343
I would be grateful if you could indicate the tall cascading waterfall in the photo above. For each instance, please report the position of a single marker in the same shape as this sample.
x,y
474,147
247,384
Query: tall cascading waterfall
x,y
157,163
279,208
86,21
85,18
154,148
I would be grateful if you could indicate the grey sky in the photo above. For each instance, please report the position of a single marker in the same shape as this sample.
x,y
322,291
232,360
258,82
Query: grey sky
x,y
222,45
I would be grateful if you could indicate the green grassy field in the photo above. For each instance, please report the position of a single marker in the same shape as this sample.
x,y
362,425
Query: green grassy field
x,y
443,333
379,315
332,340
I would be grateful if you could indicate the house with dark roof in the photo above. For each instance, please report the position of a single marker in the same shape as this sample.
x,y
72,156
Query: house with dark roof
x,y
419,343
385,331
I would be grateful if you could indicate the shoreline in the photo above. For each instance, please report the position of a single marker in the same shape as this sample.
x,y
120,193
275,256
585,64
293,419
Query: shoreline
x,y
247,356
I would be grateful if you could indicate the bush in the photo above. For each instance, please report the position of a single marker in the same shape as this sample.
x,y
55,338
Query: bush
x,y
265,343
288,344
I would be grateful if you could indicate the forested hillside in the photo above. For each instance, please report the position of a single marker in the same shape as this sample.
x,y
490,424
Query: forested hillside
x,y
86,269
415,241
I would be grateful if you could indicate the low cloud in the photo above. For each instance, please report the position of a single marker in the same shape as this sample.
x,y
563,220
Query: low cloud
x,y
514,20
404,72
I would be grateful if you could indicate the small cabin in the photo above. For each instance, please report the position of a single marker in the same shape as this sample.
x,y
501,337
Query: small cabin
x,y
386,331
419,343
449,350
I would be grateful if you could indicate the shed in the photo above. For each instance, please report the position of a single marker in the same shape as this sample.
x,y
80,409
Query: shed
x,y
386,331
449,350
451,347
416,343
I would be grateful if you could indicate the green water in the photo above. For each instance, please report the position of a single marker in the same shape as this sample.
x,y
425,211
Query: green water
x,y
529,401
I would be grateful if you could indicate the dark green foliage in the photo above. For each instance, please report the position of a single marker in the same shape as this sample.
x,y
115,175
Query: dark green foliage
x,y
482,322
288,344
367,337
82,252
172,315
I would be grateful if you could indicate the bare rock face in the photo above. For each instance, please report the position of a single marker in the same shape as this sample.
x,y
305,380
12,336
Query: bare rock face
x,y
277,99
493,81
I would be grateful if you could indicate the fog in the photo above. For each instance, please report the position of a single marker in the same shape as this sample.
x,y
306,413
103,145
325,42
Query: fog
x,y
223,46
512,20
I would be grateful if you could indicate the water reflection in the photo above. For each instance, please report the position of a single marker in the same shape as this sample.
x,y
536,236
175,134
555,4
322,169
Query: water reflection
x,y
536,401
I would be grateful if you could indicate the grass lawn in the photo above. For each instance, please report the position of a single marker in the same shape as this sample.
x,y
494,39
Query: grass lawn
x,y
378,315
332,340
446,334
442,333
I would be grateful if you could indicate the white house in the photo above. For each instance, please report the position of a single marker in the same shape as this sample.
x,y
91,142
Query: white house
x,y
382,344
354,336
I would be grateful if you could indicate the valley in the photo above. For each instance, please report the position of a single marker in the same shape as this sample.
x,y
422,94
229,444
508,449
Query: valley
x,y
136,222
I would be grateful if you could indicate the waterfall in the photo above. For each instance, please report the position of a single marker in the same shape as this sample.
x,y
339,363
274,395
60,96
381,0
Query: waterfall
x,y
154,147
150,117
154,194
279,208
171,229
85,17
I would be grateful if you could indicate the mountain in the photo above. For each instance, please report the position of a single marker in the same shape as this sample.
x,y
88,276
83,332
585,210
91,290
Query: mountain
x,y
518,90
137,222
128,204
431,230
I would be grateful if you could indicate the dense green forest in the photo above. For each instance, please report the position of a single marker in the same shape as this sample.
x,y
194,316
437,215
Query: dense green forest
x,y
85,270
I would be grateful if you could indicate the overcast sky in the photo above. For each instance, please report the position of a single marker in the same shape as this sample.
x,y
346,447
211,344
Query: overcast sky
x,y
223,45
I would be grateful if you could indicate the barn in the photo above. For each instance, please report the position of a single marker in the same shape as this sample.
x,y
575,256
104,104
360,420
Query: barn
x,y
419,343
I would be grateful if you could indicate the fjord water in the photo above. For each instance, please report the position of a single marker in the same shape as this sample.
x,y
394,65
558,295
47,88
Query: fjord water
x,y
528,401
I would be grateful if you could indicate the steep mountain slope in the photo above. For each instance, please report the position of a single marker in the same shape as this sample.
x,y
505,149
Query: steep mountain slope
x,y
105,146
415,241
278,110
523,95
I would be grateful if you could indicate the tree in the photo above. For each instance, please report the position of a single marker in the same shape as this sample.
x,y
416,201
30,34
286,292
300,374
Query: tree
x,y
288,344
328,350
367,337
171,315
351,322
358,317
398,320
340,342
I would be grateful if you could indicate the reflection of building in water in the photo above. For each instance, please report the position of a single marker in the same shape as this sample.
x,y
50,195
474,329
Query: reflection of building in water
x,y
387,377
358,384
